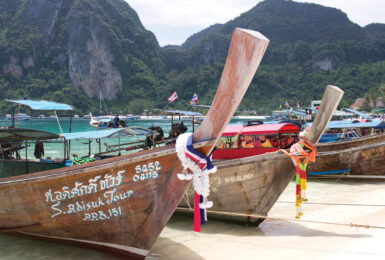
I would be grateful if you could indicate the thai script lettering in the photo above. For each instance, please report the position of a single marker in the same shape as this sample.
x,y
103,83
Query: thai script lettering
x,y
239,178
94,185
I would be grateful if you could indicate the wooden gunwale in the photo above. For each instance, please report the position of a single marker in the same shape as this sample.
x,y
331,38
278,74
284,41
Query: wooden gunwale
x,y
101,164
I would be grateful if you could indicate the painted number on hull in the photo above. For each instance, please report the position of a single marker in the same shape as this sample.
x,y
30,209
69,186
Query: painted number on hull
x,y
147,171
101,215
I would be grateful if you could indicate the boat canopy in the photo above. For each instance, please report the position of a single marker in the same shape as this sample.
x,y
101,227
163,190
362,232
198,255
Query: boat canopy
x,y
21,134
263,129
41,104
363,115
109,133
354,124
232,130
185,113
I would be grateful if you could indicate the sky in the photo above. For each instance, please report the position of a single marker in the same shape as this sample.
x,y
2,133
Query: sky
x,y
173,21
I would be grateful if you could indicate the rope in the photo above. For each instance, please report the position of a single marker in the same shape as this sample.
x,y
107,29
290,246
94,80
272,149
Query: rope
x,y
289,219
337,204
328,223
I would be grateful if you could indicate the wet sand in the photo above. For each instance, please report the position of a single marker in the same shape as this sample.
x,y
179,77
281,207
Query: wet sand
x,y
273,239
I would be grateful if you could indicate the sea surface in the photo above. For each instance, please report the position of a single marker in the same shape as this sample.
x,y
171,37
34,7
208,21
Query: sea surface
x,y
325,231
81,147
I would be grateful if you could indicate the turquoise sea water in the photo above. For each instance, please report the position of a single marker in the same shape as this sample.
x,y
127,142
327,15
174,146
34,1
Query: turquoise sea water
x,y
81,147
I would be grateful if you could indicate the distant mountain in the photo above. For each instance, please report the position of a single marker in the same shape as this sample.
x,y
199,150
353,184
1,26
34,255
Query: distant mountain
x,y
376,30
310,46
216,28
288,21
71,50
55,48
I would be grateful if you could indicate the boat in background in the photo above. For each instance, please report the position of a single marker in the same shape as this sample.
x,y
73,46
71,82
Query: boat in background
x,y
351,148
239,141
121,204
17,117
107,122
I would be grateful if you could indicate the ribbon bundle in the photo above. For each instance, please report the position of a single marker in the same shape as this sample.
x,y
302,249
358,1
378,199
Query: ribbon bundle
x,y
296,154
201,167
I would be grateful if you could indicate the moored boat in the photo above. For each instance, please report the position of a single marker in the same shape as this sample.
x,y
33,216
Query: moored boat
x,y
247,188
107,121
123,203
354,148
239,141
17,117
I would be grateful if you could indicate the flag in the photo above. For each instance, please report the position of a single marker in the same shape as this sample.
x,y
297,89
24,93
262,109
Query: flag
x,y
382,116
280,106
194,99
287,104
173,97
297,105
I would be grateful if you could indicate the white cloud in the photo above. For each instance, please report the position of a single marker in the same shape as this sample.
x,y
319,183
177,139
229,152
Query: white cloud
x,y
173,21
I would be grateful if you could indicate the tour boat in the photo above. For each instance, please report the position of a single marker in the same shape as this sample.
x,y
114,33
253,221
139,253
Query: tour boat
x,y
122,203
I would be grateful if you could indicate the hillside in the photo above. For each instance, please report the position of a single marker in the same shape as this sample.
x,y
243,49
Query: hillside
x,y
311,46
73,50
376,30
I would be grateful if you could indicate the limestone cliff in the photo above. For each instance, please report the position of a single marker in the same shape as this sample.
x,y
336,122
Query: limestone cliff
x,y
90,44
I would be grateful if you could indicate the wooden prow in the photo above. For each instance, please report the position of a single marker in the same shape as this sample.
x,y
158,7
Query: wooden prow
x,y
329,103
246,51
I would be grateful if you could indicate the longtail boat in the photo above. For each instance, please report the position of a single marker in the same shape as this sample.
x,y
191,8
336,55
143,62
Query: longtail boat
x,y
239,141
358,150
348,147
247,188
121,204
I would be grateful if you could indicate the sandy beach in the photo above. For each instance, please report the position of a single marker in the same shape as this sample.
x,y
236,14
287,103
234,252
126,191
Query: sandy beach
x,y
330,203
287,238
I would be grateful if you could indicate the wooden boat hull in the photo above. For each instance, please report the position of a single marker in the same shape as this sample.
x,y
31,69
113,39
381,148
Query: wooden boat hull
x,y
123,203
360,156
106,203
246,188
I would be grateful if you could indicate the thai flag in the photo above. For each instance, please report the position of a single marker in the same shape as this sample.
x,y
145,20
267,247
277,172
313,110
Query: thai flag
x,y
173,97
382,116
194,99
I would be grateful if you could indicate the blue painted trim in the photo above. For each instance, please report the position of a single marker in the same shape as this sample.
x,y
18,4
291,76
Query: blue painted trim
x,y
329,172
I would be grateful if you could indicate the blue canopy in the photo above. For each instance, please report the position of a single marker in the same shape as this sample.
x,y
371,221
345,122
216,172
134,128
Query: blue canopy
x,y
363,115
353,124
185,113
21,134
42,104
108,133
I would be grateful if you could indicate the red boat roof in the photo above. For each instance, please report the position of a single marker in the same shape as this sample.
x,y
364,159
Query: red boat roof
x,y
232,130
264,129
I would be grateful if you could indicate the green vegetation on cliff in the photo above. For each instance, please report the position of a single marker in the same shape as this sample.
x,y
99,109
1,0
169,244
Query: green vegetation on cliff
x,y
71,50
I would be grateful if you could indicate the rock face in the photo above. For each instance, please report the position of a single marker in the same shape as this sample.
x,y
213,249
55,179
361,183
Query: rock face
x,y
90,58
91,42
